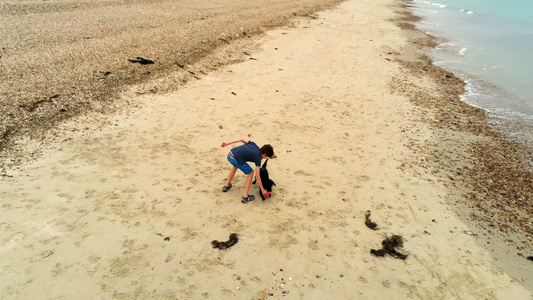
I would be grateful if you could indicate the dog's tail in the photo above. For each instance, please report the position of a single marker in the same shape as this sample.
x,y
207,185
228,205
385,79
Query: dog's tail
x,y
265,163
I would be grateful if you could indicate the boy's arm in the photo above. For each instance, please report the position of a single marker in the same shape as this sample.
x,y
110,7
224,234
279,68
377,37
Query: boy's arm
x,y
244,141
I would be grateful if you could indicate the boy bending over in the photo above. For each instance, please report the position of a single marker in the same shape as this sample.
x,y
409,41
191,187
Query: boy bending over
x,y
238,156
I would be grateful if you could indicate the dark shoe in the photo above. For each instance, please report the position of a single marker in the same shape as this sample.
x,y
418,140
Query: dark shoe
x,y
226,188
248,199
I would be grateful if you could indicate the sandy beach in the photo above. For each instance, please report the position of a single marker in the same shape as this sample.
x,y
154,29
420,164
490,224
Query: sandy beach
x,y
62,58
126,205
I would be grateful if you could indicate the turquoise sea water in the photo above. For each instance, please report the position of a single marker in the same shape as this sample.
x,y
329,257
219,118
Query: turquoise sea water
x,y
488,44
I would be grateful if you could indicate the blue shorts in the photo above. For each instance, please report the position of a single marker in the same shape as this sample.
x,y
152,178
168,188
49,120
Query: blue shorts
x,y
245,168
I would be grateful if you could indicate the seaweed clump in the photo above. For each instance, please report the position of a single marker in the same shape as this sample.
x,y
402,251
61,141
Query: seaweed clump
x,y
233,239
389,247
369,223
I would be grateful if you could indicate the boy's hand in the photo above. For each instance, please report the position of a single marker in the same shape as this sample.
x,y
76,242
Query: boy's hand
x,y
224,144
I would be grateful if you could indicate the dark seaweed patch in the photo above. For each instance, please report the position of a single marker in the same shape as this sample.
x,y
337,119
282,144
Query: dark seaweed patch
x,y
142,61
368,222
233,239
389,247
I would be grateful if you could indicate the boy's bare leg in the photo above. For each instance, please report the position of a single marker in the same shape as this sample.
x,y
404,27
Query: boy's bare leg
x,y
248,184
231,174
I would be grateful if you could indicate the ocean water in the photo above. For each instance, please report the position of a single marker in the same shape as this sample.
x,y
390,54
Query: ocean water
x,y
488,44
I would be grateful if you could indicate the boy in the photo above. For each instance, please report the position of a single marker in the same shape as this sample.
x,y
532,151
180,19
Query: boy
x,y
238,156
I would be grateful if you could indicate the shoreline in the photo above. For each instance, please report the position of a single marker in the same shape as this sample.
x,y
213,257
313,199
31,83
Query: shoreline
x,y
508,110
499,170
453,119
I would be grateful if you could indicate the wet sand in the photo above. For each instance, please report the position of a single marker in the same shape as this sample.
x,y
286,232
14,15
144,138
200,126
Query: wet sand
x,y
126,204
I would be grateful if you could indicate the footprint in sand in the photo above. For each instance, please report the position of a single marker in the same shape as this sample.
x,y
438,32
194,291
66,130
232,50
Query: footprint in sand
x,y
303,173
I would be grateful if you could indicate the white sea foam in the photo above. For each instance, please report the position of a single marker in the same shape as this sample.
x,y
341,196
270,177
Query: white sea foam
x,y
468,12
491,68
431,24
446,48
440,5
463,51
447,44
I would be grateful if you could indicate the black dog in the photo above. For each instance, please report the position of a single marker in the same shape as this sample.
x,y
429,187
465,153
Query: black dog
x,y
265,179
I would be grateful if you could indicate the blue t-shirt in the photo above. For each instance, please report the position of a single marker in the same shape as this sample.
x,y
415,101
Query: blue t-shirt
x,y
247,152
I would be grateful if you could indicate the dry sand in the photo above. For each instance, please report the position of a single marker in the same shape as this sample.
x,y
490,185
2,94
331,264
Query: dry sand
x,y
128,208
62,57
